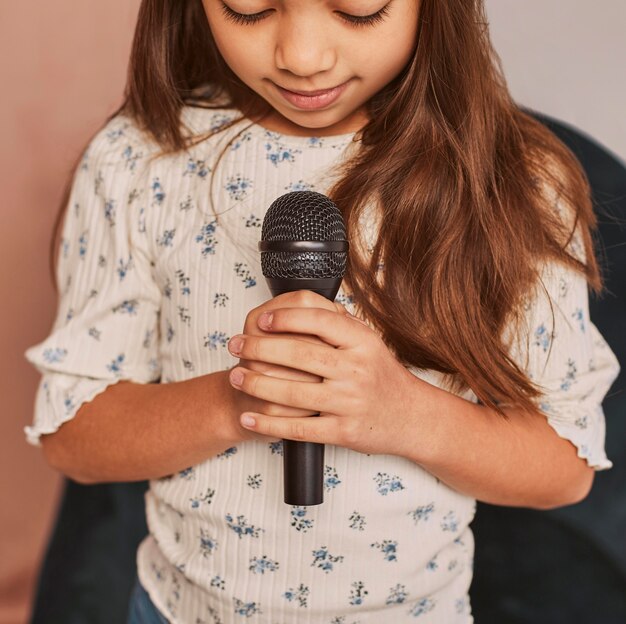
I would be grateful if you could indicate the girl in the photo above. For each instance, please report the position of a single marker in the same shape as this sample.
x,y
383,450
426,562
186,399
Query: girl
x,y
458,362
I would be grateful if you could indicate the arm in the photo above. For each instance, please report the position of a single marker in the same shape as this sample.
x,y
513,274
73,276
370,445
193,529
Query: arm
x,y
518,462
135,431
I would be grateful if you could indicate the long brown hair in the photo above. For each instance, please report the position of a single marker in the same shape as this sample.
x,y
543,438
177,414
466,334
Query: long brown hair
x,y
459,173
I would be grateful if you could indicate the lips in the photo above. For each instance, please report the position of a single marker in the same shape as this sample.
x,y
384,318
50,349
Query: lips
x,y
313,100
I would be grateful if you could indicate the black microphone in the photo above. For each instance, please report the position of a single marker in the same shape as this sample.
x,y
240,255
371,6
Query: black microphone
x,y
303,247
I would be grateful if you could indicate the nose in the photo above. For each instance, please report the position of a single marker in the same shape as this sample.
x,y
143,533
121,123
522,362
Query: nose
x,y
302,48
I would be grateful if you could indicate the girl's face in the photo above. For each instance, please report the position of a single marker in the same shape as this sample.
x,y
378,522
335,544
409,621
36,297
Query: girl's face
x,y
314,45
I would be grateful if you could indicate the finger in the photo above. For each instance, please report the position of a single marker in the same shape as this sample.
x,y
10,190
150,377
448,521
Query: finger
x,y
282,372
309,396
320,429
317,359
337,330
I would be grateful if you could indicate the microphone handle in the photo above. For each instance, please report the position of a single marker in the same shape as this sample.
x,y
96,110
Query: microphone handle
x,y
303,462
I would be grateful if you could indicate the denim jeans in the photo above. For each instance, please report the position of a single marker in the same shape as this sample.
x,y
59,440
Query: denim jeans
x,y
141,609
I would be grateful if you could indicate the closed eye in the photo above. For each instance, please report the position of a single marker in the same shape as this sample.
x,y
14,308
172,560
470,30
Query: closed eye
x,y
353,20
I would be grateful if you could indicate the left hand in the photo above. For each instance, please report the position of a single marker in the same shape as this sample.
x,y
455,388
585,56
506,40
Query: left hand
x,y
366,398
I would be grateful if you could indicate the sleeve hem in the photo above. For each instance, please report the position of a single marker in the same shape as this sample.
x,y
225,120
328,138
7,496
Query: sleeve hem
x,y
33,433
597,461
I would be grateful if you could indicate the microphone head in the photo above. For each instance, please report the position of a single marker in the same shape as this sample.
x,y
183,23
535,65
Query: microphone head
x,y
303,216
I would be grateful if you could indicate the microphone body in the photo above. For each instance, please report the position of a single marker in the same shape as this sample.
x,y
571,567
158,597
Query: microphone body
x,y
303,247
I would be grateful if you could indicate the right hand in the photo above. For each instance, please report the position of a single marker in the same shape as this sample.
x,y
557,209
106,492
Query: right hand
x,y
242,402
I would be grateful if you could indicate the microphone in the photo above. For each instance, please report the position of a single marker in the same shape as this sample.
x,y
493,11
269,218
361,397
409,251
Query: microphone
x,y
303,247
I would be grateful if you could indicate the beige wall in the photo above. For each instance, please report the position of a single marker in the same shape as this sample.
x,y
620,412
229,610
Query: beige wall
x,y
62,69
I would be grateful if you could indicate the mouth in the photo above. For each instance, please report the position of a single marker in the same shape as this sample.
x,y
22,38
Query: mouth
x,y
312,100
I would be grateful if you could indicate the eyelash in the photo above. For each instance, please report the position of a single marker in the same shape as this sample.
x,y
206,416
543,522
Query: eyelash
x,y
353,20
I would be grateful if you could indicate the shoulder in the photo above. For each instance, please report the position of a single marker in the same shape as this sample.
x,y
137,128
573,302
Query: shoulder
x,y
119,147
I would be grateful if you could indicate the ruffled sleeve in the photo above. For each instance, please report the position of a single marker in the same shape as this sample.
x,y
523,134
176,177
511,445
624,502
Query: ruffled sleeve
x,y
563,352
106,325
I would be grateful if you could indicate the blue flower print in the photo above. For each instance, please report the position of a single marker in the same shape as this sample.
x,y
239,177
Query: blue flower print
x,y
432,565
116,365
253,221
582,422
82,244
241,527
218,581
183,282
388,548
216,338
114,134
187,473
95,333
127,307
358,593
68,403
461,604
229,452
167,289
218,120
397,595
578,316
169,331
238,142
324,560
207,238
186,204
166,238
65,247
276,151
157,192
207,497
197,167
238,187
298,519
450,522
244,273
276,448
570,375
124,267
159,572
331,480
246,608
357,521
183,316
263,565
220,299
300,594
422,513
207,544
53,356
386,483
315,142
300,185
542,337
254,481
130,158
69,316
109,212
423,606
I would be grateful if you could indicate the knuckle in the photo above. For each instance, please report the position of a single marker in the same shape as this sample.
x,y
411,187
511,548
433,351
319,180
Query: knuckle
x,y
296,430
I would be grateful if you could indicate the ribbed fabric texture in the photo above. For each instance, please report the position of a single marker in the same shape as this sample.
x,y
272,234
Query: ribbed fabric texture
x,y
152,288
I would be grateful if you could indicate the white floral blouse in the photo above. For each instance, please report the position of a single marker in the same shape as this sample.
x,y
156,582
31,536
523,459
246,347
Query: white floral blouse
x,y
152,288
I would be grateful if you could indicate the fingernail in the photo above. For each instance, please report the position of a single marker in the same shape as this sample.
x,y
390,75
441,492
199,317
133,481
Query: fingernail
x,y
235,345
247,420
265,320
236,377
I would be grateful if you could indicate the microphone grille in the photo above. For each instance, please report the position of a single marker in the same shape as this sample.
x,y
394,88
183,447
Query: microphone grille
x,y
303,216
